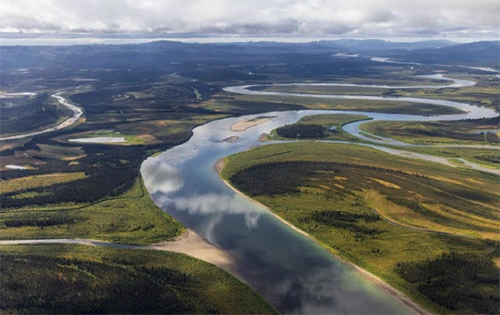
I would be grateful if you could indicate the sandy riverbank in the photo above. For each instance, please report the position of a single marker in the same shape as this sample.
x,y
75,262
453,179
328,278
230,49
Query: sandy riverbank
x,y
245,124
414,307
263,137
77,113
190,243
99,140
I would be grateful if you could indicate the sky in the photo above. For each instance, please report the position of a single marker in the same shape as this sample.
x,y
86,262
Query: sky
x,y
239,18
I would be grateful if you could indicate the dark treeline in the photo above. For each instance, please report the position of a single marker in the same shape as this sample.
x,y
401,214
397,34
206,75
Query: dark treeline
x,y
241,107
110,171
48,219
480,136
457,281
32,106
91,287
326,216
171,98
37,113
301,131
492,158
269,178
345,220
111,182
277,178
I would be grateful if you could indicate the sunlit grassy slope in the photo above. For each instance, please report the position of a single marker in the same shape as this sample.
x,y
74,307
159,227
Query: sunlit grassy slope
x,y
375,209
130,218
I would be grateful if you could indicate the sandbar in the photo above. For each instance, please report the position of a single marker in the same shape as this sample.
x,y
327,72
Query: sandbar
x,y
192,244
263,137
245,124
16,167
189,243
99,140
231,139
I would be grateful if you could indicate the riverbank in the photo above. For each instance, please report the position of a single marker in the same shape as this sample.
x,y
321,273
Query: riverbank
x,y
275,256
192,244
245,124
77,113
414,307
119,280
189,243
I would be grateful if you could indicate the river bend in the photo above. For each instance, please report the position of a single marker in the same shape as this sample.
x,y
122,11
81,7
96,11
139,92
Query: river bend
x,y
77,113
290,270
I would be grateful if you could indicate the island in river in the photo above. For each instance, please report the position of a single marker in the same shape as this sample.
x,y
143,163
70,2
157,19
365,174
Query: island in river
x,y
156,107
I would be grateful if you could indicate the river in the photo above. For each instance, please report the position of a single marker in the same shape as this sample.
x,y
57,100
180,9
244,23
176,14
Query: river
x,y
288,269
77,113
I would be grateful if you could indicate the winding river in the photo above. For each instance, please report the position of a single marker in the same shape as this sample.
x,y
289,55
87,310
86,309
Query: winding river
x,y
77,113
287,268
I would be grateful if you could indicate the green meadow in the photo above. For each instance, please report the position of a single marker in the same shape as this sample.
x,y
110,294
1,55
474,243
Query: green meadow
x,y
130,218
384,213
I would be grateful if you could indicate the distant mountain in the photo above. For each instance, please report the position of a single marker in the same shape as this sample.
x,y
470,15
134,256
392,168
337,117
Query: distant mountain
x,y
381,45
484,53
430,44
164,53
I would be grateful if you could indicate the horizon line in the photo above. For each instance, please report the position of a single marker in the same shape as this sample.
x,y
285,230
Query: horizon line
x,y
114,39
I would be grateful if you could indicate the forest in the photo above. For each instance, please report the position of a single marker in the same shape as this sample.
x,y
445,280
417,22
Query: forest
x,y
301,131
113,171
38,112
394,217
345,220
456,281
70,279
154,94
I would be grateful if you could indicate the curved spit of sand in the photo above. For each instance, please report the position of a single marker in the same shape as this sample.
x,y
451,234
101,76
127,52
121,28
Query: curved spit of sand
x,y
245,124
194,245
99,140
189,243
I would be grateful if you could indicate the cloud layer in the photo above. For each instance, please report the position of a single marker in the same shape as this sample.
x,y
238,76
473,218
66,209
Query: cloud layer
x,y
353,18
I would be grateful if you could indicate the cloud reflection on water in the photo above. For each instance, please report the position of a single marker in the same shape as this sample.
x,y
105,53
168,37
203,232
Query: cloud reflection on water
x,y
217,203
331,289
164,181
161,177
288,269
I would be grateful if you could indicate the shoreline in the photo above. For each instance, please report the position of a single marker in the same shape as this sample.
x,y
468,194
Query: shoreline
x,y
188,243
398,295
243,125
77,113
192,244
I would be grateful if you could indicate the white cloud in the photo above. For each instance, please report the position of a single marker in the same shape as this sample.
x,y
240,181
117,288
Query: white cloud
x,y
374,18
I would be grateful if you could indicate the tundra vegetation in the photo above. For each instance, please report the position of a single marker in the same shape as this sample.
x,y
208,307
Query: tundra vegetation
x,y
153,95
478,132
92,280
405,220
322,127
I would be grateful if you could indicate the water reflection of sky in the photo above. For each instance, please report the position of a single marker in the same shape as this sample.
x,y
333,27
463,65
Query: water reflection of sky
x,y
288,269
